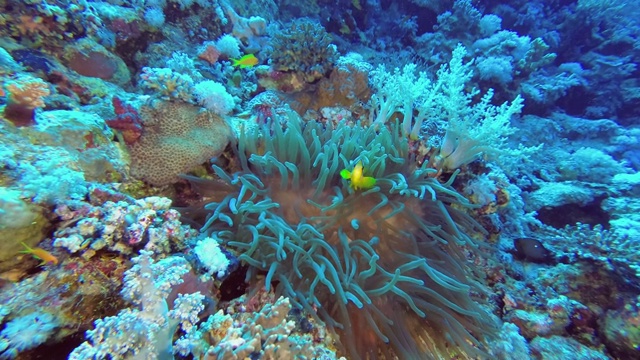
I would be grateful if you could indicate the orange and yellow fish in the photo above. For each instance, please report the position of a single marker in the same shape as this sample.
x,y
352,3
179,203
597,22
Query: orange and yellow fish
x,y
246,61
40,254
358,181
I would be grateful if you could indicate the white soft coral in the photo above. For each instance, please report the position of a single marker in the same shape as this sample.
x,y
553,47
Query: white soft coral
x,y
211,256
213,96
26,332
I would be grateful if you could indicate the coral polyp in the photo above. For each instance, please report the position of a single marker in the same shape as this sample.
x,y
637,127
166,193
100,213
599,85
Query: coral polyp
x,y
380,267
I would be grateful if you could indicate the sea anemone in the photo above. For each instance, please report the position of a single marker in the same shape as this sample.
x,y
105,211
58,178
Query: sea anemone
x,y
384,268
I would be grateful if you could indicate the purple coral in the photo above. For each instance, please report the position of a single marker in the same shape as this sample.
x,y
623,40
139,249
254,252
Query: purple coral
x,y
127,121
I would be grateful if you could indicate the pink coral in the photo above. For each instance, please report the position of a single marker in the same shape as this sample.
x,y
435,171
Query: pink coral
x,y
25,94
127,121
209,53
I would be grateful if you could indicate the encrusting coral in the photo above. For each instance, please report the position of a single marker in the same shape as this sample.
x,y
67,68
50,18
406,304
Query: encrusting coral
x,y
176,138
383,266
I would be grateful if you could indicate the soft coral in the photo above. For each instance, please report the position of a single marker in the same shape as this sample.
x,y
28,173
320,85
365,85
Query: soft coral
x,y
25,94
26,332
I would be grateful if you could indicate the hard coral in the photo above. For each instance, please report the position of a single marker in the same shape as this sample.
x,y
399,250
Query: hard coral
x,y
122,226
380,267
267,333
263,106
303,46
245,29
347,84
167,83
177,138
32,25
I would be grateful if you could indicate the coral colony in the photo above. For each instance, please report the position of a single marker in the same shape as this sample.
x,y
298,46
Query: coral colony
x,y
227,179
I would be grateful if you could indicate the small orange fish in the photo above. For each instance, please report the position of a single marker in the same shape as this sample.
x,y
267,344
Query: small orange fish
x,y
40,254
246,61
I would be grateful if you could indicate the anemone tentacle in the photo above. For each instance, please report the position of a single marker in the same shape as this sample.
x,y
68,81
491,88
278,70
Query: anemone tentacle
x,y
383,266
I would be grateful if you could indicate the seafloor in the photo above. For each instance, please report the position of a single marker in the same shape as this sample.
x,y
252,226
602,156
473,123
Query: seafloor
x,y
357,179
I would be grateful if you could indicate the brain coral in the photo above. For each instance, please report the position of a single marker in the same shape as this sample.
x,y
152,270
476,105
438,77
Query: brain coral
x,y
177,137
380,267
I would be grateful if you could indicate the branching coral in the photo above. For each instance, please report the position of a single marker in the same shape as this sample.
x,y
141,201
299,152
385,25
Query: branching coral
x,y
381,266
168,83
303,46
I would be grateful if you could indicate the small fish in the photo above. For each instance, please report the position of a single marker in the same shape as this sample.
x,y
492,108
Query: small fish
x,y
344,29
532,250
246,61
40,254
358,181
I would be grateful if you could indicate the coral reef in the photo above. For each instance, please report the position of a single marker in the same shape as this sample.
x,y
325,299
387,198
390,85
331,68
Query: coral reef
x,y
121,226
267,333
212,179
145,331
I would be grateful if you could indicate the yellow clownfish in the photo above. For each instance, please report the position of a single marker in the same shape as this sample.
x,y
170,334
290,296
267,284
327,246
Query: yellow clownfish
x,y
246,61
357,180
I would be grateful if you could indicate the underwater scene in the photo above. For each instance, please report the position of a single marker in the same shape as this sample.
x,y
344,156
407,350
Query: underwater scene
x,y
348,179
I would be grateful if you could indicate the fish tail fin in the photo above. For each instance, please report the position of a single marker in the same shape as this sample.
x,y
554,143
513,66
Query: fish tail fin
x,y
27,250
346,174
367,182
